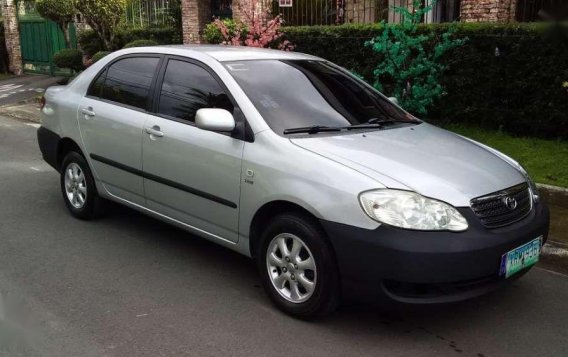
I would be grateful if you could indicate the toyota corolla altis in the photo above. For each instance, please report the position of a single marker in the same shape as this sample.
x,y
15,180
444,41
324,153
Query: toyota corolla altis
x,y
327,184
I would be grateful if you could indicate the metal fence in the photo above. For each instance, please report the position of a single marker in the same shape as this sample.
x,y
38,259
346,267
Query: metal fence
x,y
152,13
336,12
530,10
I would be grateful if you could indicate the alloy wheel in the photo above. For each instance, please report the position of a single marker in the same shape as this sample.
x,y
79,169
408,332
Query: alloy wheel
x,y
291,268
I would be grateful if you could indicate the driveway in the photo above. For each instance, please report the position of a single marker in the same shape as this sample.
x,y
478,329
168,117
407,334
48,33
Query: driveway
x,y
128,285
16,89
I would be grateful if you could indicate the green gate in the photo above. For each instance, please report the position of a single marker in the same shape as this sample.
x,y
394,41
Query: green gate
x,y
40,40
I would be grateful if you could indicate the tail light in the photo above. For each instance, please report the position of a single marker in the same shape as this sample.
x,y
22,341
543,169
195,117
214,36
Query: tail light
x,y
42,102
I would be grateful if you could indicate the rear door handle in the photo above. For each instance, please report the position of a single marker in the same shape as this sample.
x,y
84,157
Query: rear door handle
x,y
88,112
154,131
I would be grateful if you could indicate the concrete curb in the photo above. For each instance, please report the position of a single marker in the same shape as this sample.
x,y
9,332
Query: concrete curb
x,y
554,195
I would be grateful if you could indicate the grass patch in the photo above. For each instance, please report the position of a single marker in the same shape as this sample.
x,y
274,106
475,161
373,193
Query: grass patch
x,y
545,160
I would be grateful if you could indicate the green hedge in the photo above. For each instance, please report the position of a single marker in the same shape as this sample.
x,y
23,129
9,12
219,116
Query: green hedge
x,y
520,91
91,44
69,58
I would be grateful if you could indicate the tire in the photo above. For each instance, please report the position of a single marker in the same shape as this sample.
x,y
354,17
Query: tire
x,y
308,301
78,187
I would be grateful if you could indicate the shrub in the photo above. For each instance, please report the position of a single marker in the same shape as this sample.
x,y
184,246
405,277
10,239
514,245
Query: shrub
x,y
212,32
103,16
69,58
520,91
140,43
97,56
91,44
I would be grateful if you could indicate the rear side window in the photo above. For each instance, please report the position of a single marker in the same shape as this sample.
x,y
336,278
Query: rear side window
x,y
187,88
128,81
96,88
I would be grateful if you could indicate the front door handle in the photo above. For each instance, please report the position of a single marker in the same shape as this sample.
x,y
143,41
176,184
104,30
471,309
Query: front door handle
x,y
154,131
88,112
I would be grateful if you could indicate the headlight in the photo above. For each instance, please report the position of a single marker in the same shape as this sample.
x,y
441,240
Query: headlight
x,y
532,185
410,210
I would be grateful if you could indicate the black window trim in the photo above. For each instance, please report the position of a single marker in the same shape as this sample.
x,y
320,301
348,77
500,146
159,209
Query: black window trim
x,y
152,84
242,130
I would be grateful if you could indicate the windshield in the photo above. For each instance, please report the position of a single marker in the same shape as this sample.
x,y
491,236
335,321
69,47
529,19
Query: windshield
x,y
295,94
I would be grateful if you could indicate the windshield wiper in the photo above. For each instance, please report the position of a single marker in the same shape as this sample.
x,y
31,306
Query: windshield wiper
x,y
312,129
391,120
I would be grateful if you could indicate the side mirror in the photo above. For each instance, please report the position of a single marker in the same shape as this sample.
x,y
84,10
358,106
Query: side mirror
x,y
394,100
214,119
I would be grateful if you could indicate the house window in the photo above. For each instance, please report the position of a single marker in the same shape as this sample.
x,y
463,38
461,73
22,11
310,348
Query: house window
x,y
444,11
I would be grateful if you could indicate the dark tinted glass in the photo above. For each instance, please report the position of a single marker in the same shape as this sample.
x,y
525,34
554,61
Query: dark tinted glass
x,y
128,81
292,94
96,88
188,88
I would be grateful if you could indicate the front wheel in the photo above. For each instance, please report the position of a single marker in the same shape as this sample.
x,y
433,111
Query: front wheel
x,y
298,268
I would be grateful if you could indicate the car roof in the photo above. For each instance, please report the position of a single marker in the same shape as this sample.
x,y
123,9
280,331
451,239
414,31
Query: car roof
x,y
224,53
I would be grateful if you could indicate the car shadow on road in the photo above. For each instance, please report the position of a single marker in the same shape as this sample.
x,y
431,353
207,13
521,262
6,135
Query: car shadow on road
x,y
236,272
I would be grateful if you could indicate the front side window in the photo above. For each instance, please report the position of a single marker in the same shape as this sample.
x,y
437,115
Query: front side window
x,y
187,88
305,93
128,81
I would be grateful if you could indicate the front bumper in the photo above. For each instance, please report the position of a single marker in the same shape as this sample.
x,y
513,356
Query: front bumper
x,y
429,267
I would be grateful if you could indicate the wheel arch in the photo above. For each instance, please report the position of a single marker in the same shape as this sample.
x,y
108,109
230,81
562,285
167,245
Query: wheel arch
x,y
65,146
269,210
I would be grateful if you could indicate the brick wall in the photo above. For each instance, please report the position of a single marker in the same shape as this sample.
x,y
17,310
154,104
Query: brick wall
x,y
12,35
488,10
195,15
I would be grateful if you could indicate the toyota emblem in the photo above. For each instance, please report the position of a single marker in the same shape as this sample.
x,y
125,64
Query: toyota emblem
x,y
510,202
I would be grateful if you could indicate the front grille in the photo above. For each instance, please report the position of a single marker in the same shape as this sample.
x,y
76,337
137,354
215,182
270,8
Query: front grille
x,y
493,210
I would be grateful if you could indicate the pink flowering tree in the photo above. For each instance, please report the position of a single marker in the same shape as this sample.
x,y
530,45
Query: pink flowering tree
x,y
257,29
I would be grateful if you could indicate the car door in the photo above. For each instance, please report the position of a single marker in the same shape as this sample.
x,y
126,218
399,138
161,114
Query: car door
x,y
192,175
111,119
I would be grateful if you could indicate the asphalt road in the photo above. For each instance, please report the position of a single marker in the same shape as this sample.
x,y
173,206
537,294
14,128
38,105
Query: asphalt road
x,y
16,89
128,285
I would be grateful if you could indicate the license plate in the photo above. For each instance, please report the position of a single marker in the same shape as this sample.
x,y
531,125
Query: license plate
x,y
519,258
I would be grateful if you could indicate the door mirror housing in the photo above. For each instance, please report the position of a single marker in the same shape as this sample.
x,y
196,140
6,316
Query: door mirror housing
x,y
215,119
394,100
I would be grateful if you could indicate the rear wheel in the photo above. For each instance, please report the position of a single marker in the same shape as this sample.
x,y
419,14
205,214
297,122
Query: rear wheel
x,y
78,187
297,267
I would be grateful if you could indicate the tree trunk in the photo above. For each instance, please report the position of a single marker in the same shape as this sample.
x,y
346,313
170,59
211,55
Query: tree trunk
x,y
66,35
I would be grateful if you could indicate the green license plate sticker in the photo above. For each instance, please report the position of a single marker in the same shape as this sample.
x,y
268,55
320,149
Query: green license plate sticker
x,y
519,258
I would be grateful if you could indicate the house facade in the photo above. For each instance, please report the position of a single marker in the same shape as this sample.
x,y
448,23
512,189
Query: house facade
x,y
197,13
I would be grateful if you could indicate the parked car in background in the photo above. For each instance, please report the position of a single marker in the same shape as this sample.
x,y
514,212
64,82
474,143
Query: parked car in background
x,y
330,187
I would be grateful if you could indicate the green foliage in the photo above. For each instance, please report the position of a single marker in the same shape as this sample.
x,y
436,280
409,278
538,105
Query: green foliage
x,y
519,92
91,44
141,43
69,58
97,56
103,16
212,33
59,11
410,63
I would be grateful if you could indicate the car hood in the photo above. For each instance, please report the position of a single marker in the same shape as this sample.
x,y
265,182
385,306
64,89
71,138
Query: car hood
x,y
423,158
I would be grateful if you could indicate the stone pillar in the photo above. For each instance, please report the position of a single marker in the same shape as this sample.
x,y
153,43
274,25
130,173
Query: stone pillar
x,y
488,10
195,14
12,35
